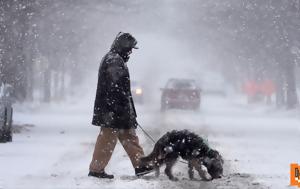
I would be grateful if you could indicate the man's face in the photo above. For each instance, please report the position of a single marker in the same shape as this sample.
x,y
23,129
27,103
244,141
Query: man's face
x,y
126,54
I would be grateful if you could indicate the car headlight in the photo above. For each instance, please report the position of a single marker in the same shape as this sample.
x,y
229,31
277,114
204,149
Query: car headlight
x,y
138,91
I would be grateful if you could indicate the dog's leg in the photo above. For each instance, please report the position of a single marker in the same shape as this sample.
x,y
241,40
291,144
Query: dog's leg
x,y
201,169
157,171
203,173
168,170
157,164
191,170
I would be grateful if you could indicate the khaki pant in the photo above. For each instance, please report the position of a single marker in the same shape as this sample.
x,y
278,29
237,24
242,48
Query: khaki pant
x,y
105,145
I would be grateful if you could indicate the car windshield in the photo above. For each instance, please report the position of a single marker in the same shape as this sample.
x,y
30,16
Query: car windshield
x,y
181,84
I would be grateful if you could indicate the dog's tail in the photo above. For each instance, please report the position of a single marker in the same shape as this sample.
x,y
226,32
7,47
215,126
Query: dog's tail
x,y
153,155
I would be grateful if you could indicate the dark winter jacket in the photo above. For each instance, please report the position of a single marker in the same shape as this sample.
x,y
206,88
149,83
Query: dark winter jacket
x,y
114,107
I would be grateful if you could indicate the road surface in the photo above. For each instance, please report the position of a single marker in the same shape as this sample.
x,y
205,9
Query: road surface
x,y
55,147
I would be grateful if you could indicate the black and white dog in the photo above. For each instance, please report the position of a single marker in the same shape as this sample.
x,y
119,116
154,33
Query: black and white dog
x,y
189,146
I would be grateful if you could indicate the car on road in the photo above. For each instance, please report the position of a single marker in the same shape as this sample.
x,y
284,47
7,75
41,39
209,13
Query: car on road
x,y
180,94
137,92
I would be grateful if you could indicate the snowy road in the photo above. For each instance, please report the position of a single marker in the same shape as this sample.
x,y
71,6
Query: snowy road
x,y
258,146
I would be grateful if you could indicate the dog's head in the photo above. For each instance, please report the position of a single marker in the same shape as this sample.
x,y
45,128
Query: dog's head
x,y
214,167
213,163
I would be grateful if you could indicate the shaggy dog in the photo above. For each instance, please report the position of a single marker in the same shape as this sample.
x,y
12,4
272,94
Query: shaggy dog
x,y
190,147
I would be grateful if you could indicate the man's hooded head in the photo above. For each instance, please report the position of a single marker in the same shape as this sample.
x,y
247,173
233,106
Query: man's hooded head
x,y
123,45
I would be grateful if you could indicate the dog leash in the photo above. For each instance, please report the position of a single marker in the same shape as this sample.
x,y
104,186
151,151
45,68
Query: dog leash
x,y
146,133
151,138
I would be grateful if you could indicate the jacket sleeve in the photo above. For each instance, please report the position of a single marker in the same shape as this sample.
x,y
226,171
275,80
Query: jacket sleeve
x,y
115,70
117,75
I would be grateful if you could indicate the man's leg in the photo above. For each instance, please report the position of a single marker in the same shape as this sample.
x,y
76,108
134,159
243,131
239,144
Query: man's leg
x,y
130,142
104,148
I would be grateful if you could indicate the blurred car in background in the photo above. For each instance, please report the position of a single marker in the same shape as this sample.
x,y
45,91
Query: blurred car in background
x,y
180,93
137,92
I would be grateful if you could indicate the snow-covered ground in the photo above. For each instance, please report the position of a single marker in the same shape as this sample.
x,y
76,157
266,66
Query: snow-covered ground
x,y
55,149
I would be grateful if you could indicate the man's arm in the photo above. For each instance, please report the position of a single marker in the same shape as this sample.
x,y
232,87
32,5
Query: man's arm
x,y
117,75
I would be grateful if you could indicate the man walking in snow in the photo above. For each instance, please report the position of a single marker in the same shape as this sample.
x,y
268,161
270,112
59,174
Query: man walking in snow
x,y
114,109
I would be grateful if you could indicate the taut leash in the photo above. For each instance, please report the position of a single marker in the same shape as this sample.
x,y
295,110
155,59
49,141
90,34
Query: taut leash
x,y
146,133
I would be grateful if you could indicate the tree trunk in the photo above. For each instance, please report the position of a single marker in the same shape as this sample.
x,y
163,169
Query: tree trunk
x,y
30,79
62,81
291,92
47,85
280,88
55,85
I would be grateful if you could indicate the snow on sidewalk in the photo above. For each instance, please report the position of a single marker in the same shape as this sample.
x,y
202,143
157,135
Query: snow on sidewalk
x,y
56,152
261,141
